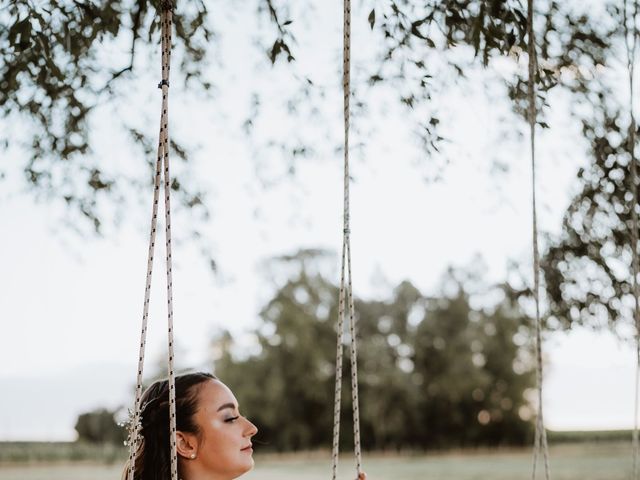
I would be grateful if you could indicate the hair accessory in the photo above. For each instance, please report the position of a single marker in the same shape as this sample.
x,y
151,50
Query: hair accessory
x,y
134,427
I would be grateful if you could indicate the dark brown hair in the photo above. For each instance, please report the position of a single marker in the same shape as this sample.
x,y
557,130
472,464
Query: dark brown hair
x,y
152,460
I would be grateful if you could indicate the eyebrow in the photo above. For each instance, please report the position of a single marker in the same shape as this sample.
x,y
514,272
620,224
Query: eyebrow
x,y
225,406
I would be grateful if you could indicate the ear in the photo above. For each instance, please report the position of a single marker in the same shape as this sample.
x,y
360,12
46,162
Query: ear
x,y
187,445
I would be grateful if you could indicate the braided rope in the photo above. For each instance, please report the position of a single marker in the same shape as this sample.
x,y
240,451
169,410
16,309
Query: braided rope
x,y
166,67
540,442
338,386
161,159
631,54
354,371
346,288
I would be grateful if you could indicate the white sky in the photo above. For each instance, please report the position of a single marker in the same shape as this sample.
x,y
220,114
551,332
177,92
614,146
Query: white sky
x,y
70,307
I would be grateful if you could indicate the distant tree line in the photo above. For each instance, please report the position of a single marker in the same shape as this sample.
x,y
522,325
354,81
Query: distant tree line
x,y
434,372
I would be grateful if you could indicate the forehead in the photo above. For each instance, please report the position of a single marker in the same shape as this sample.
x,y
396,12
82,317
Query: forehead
x,y
213,394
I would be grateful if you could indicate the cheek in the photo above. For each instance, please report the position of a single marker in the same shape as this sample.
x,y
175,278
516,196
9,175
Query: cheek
x,y
218,441
220,449
213,437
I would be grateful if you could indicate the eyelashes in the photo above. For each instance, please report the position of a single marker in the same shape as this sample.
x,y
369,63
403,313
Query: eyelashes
x,y
232,419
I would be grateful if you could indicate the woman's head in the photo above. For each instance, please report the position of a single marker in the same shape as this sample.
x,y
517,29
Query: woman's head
x,y
213,439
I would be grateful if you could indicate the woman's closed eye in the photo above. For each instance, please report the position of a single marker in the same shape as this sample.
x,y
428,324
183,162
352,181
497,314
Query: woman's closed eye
x,y
232,419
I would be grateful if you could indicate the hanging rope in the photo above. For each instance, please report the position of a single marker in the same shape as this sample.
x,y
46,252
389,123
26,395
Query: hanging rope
x,y
540,442
346,291
631,55
162,159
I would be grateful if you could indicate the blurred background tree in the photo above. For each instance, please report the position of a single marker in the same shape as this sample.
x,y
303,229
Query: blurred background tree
x,y
100,426
434,372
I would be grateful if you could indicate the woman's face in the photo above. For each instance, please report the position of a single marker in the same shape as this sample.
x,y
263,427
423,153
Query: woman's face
x,y
224,447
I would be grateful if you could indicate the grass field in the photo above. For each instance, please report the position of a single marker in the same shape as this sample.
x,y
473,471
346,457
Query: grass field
x,y
591,461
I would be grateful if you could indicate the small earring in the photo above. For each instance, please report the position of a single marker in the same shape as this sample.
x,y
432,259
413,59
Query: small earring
x,y
193,455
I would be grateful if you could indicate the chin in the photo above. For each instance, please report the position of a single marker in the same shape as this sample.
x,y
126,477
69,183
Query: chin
x,y
246,467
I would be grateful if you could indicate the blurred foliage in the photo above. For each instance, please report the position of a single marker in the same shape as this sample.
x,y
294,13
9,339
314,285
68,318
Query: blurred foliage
x,y
100,427
587,269
52,452
590,436
433,372
53,73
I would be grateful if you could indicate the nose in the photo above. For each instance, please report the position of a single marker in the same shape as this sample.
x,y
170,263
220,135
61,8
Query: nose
x,y
251,429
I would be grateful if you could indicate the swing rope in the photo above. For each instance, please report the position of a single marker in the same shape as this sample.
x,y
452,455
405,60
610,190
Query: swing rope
x,y
631,55
540,442
346,290
162,160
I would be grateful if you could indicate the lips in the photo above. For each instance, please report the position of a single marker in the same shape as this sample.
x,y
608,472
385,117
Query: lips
x,y
247,448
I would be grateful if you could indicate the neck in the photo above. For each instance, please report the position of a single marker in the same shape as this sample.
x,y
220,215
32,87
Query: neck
x,y
194,470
